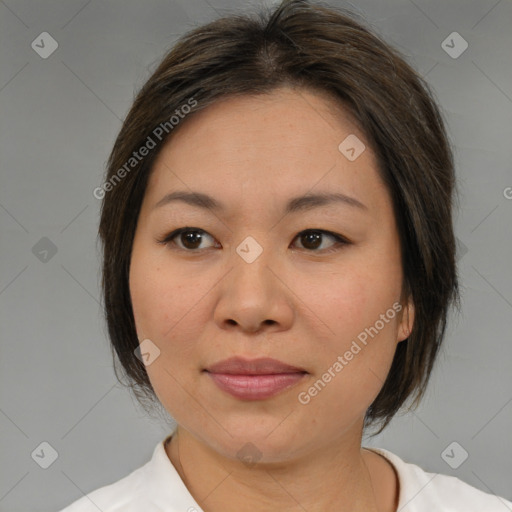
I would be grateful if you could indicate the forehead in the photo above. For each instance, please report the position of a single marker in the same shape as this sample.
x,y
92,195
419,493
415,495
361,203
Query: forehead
x,y
253,149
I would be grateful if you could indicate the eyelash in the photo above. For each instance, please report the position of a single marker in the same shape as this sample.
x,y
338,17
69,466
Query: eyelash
x,y
168,240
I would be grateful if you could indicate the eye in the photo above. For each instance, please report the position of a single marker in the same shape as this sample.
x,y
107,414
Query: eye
x,y
190,237
311,239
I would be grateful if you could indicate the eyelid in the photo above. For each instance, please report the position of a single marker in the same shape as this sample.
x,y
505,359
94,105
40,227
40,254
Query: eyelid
x,y
340,239
168,239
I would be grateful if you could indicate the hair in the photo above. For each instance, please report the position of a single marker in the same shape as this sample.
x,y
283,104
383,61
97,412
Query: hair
x,y
300,45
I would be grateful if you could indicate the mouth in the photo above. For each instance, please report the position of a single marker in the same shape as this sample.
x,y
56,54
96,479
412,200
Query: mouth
x,y
261,366
256,379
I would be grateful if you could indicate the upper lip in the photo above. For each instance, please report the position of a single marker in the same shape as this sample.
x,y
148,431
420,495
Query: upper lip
x,y
261,366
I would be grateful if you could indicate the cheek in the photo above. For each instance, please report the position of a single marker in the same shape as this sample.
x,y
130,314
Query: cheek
x,y
163,301
348,302
167,306
366,343
145,293
360,309
157,295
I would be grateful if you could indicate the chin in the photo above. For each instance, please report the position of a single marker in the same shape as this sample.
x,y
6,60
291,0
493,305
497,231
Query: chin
x,y
255,441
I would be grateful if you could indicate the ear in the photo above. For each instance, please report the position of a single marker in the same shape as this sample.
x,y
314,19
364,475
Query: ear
x,y
406,321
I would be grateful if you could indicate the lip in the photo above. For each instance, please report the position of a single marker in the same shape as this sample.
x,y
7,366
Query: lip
x,y
255,379
260,366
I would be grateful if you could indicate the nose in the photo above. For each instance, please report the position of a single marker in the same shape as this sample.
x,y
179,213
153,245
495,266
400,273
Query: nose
x,y
254,295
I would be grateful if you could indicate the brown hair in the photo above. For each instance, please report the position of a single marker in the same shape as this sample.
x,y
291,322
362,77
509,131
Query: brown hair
x,y
300,45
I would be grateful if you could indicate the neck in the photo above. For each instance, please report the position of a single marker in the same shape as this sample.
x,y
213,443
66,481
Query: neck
x,y
332,478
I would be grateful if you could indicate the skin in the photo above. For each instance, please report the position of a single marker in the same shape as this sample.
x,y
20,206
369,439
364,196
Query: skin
x,y
296,303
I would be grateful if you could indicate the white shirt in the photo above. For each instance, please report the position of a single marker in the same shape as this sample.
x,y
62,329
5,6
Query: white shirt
x,y
157,487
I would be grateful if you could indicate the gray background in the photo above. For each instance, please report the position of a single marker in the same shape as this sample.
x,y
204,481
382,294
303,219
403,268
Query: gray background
x,y
60,116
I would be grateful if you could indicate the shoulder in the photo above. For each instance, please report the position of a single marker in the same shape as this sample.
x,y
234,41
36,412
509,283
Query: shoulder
x,y
127,494
421,491
154,487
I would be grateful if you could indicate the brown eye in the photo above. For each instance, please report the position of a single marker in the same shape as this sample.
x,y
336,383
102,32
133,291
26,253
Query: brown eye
x,y
189,239
312,239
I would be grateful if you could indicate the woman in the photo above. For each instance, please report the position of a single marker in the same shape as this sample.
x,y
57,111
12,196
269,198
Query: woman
x,y
279,263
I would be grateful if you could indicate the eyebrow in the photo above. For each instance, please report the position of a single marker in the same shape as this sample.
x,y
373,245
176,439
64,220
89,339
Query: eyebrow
x,y
296,204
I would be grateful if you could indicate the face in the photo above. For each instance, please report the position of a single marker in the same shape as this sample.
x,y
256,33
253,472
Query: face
x,y
317,287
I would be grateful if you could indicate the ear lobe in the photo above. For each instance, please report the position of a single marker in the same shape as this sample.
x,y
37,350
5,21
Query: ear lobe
x,y
406,322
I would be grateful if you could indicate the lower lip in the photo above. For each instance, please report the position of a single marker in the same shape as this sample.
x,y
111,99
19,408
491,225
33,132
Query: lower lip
x,y
255,387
